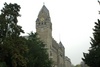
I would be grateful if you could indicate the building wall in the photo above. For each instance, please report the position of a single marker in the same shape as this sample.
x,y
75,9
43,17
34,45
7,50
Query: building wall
x,y
61,60
54,57
44,29
67,62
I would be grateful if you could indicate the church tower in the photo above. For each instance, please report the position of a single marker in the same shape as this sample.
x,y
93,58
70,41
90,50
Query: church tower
x,y
56,51
44,27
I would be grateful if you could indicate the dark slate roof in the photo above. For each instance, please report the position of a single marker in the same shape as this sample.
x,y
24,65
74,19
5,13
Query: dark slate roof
x,y
60,44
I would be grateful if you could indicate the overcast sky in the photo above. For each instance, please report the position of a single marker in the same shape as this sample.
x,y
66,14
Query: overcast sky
x,y
72,21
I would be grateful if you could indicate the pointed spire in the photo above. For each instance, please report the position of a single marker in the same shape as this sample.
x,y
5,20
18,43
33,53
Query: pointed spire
x,y
44,10
60,43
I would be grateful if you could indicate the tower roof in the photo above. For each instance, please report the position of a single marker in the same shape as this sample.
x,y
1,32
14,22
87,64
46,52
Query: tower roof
x,y
60,44
44,10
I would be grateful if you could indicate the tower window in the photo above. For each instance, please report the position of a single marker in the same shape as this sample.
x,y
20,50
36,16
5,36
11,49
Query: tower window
x,y
42,23
38,23
50,53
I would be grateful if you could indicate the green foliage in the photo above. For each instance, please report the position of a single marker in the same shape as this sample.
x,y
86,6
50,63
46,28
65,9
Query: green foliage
x,y
78,65
2,64
37,55
92,58
12,45
15,50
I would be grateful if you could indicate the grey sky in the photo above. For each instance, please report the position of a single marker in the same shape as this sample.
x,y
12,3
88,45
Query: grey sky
x,y
72,21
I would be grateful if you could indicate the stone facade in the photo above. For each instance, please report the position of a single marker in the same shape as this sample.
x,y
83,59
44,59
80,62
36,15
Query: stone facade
x,y
67,62
44,29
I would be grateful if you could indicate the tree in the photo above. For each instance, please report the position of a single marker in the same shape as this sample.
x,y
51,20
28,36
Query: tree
x,y
37,55
92,58
78,65
12,45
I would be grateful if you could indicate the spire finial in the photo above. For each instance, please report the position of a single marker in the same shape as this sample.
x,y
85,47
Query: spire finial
x,y
43,3
59,38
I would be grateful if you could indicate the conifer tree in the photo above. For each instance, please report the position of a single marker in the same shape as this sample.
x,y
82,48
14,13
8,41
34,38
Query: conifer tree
x,y
12,45
37,55
92,58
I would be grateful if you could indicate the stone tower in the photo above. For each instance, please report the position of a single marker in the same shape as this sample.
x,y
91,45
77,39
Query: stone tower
x,y
44,30
44,27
